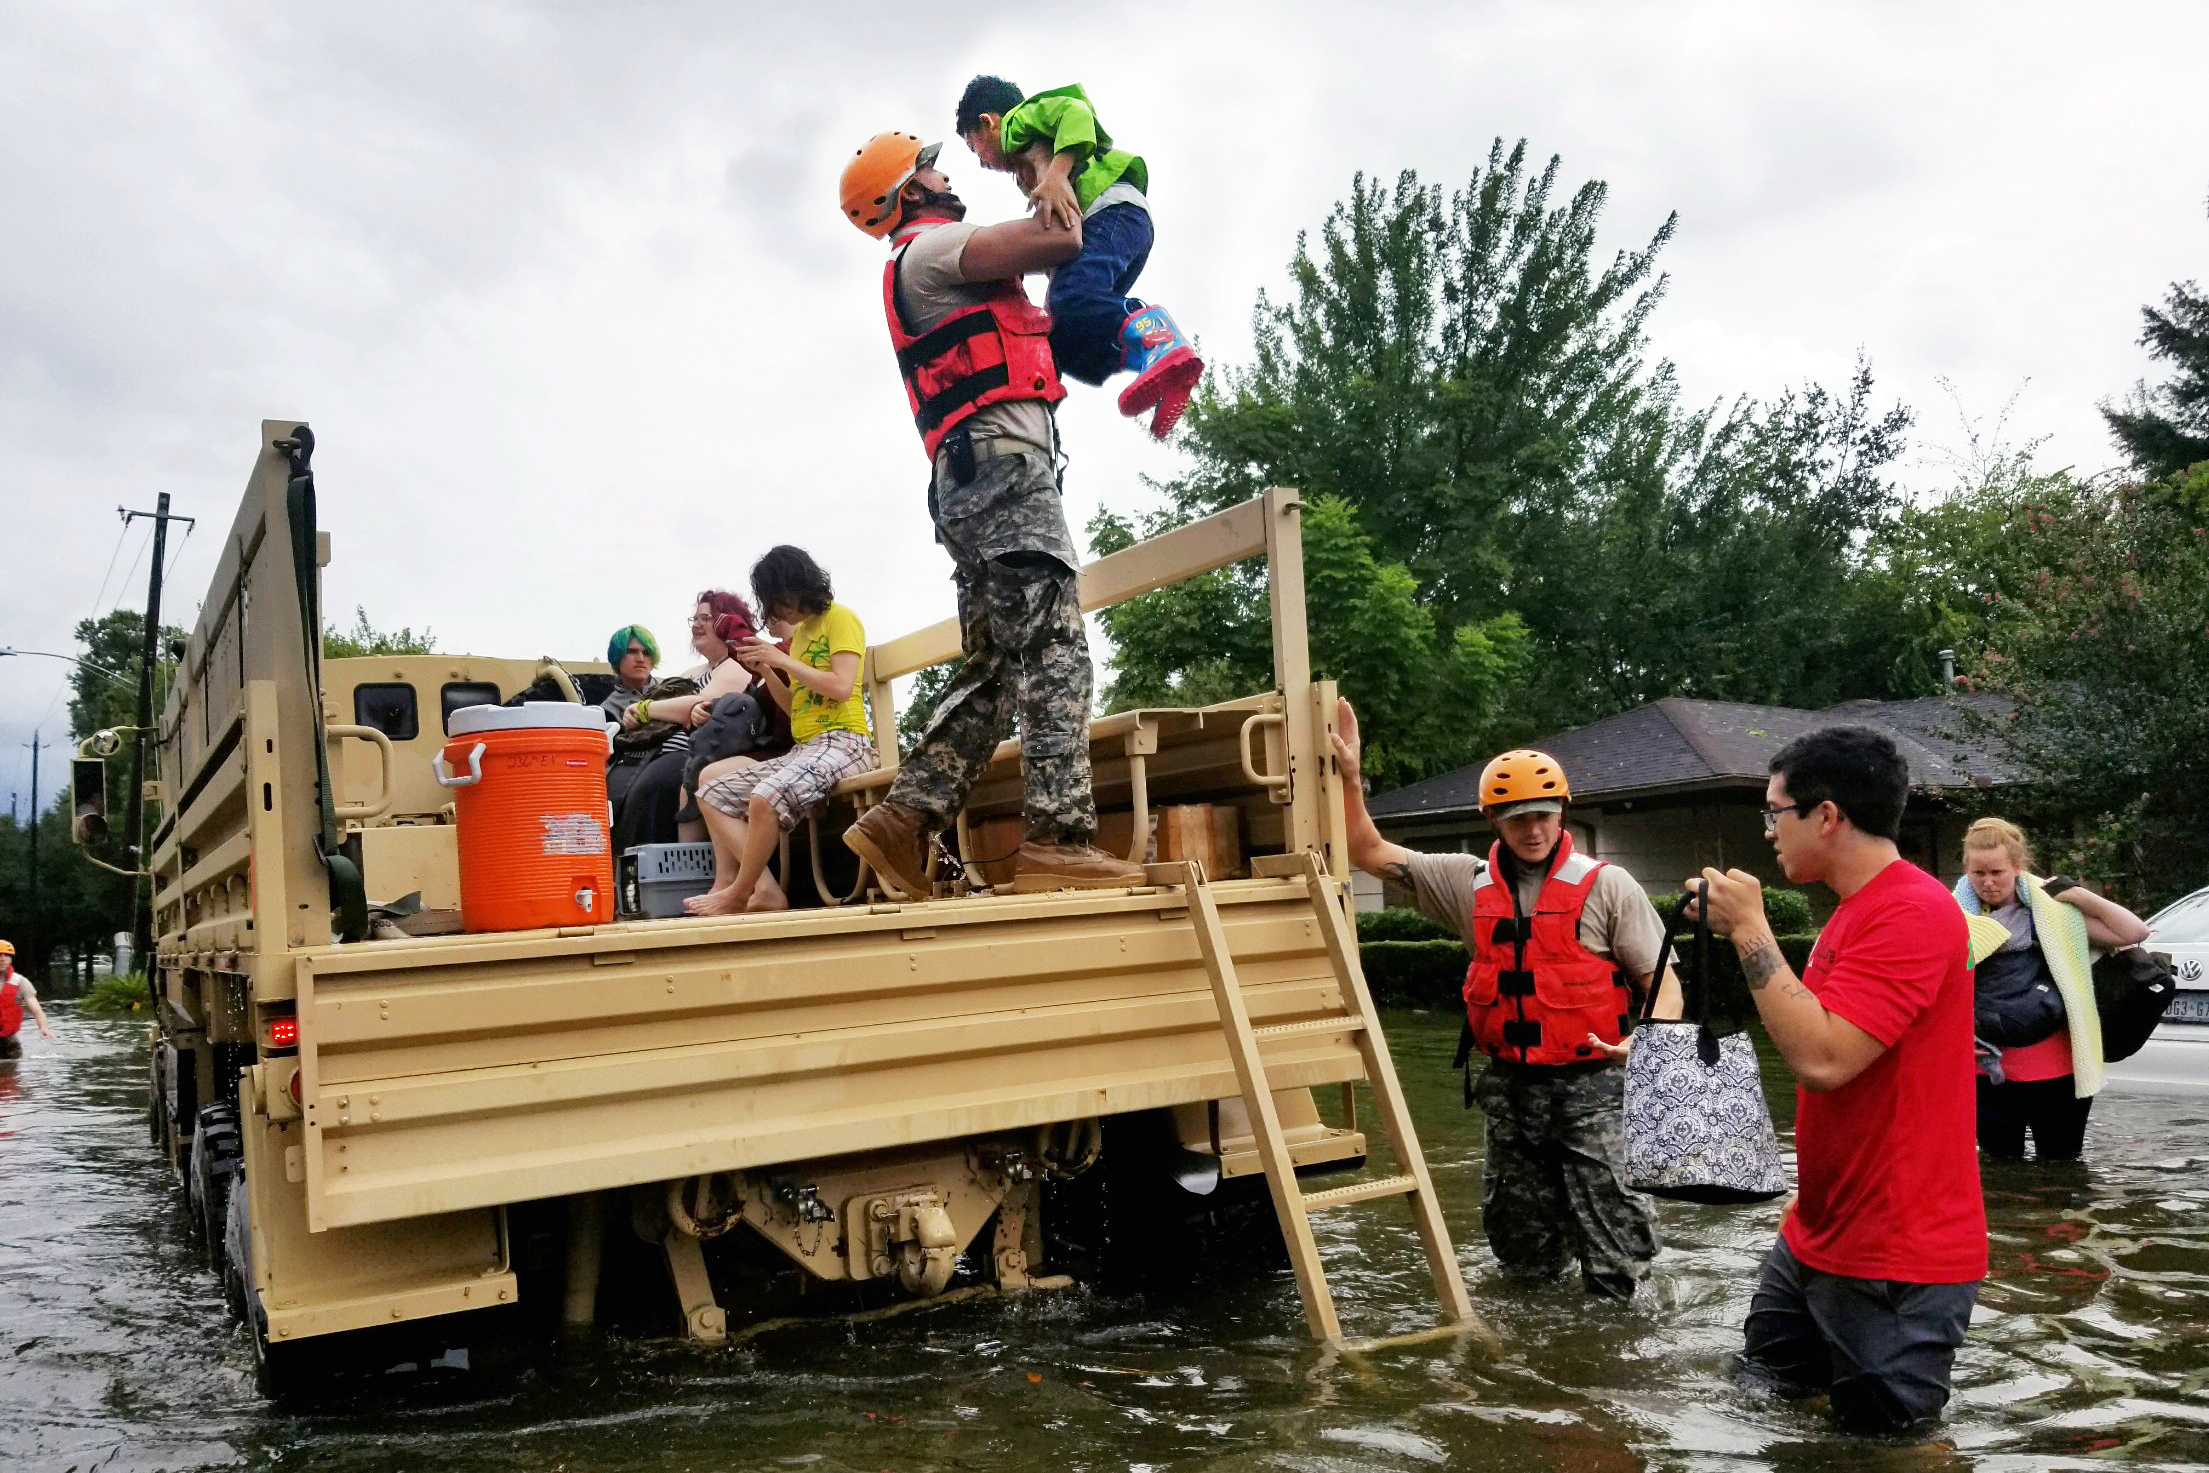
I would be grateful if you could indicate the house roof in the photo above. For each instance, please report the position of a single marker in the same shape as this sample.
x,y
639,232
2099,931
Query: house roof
x,y
1678,745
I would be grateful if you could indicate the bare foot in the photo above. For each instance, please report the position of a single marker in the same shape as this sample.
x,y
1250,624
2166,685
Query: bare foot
x,y
769,895
718,902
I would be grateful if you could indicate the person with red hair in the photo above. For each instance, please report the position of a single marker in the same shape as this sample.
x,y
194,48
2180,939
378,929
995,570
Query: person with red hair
x,y
720,622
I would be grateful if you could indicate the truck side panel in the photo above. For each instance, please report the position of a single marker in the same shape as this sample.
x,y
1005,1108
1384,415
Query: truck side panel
x,y
465,1071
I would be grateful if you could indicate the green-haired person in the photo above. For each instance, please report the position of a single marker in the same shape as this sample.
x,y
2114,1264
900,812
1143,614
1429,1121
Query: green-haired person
x,y
631,652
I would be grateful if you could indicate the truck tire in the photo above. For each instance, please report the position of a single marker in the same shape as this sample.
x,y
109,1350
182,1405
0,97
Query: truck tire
x,y
216,1151
277,1369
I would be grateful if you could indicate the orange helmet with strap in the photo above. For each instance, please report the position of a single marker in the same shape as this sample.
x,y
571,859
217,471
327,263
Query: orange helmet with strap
x,y
7,948
1522,775
878,169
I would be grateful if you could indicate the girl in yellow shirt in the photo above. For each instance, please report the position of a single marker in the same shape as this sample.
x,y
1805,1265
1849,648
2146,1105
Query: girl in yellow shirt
x,y
748,804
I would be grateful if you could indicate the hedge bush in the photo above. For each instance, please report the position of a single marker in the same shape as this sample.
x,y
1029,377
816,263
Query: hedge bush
x,y
1788,911
1399,923
1728,995
1416,974
1431,974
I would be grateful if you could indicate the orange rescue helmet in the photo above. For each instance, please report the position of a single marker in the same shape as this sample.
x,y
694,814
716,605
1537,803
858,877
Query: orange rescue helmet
x,y
7,948
877,170
1523,776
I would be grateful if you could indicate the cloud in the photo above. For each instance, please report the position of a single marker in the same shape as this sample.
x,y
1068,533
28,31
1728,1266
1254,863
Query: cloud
x,y
563,291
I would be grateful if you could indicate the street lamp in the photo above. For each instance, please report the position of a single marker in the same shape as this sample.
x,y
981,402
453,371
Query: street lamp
x,y
72,659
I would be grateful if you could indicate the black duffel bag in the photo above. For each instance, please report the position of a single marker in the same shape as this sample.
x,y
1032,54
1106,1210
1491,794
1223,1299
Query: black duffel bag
x,y
2014,1001
2133,989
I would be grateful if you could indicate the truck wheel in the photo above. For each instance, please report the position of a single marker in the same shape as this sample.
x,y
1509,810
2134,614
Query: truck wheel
x,y
216,1151
277,1369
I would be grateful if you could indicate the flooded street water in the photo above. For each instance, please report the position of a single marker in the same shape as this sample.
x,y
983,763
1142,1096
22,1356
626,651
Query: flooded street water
x,y
2091,1343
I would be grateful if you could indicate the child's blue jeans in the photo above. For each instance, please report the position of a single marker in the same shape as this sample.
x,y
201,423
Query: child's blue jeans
x,y
1088,296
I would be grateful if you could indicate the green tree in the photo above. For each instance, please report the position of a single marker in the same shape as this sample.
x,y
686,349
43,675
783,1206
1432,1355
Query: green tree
x,y
921,700
365,639
104,696
1430,695
2104,645
1463,376
1447,366
104,684
2165,429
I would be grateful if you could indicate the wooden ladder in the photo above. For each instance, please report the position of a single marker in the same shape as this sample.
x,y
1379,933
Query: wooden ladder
x,y
1290,1202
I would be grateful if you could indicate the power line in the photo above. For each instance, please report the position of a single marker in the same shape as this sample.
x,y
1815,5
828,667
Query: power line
x,y
120,589
111,557
124,586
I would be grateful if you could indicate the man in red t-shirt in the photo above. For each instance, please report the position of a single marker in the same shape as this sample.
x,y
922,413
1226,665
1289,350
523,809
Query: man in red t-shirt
x,y
1868,1291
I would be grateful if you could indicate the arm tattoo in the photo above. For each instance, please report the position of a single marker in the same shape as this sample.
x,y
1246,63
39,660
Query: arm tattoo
x,y
1760,964
1400,872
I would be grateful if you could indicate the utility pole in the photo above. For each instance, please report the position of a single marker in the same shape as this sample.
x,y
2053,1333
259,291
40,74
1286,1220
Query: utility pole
x,y
38,927
141,908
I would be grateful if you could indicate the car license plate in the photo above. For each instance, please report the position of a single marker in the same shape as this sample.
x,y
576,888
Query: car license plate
x,y
2188,1007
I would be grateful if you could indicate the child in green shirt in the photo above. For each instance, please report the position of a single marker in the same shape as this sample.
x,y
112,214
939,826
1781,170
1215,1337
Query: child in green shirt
x,y
1070,171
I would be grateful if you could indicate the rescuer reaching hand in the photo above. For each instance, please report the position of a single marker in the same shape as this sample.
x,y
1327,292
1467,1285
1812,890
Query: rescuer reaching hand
x,y
1076,180
1563,944
16,994
980,379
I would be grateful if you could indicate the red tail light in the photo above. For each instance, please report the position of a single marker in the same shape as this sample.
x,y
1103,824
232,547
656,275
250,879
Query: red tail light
x,y
283,1031
294,1086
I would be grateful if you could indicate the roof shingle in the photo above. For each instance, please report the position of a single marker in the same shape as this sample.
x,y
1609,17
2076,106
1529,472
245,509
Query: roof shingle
x,y
1677,744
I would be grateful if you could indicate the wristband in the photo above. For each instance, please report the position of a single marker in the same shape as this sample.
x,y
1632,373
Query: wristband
x,y
643,710
2055,885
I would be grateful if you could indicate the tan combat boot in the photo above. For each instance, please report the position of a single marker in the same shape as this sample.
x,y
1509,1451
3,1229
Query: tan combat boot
x,y
1064,866
894,839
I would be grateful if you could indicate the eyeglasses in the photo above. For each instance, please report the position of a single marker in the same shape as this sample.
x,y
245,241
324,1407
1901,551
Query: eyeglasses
x,y
1771,815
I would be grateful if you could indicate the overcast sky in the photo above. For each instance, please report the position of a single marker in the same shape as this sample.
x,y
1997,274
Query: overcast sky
x,y
566,296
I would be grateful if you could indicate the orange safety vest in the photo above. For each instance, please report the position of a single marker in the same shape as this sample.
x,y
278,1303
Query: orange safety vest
x,y
11,1008
996,350
1533,993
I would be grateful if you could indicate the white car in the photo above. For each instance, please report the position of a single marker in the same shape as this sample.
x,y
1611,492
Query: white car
x,y
2175,1058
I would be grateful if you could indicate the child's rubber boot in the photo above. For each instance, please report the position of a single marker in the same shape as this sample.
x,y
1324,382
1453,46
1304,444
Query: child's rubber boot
x,y
1165,366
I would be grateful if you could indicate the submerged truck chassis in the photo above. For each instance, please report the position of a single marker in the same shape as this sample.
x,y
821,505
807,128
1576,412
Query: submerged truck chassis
x,y
373,1121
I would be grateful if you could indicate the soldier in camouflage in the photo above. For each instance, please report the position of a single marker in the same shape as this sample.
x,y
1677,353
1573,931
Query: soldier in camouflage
x,y
1557,960
1027,653
975,355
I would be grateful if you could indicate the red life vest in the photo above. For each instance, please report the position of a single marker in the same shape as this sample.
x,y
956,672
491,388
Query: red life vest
x,y
11,1008
999,349
1533,993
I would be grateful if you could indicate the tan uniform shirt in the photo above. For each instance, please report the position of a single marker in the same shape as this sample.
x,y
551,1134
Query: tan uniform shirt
x,y
1619,923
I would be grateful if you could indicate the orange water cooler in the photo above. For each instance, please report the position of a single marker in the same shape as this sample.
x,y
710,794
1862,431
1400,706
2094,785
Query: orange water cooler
x,y
529,796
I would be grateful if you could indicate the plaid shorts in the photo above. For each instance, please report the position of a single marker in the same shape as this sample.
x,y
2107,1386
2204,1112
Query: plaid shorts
x,y
796,783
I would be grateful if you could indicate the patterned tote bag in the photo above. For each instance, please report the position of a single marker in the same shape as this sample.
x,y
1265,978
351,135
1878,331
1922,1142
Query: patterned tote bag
x,y
1696,1124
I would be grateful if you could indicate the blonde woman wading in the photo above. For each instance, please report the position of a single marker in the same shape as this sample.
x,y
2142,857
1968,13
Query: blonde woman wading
x,y
2039,1039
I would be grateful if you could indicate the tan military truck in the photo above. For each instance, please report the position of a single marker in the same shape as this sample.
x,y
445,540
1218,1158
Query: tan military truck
x,y
379,1119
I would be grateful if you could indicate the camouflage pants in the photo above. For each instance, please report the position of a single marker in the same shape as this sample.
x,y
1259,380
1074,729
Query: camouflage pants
x,y
1553,1190
1027,652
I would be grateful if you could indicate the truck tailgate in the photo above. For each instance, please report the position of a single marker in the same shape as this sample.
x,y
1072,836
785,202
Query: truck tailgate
x,y
456,1072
